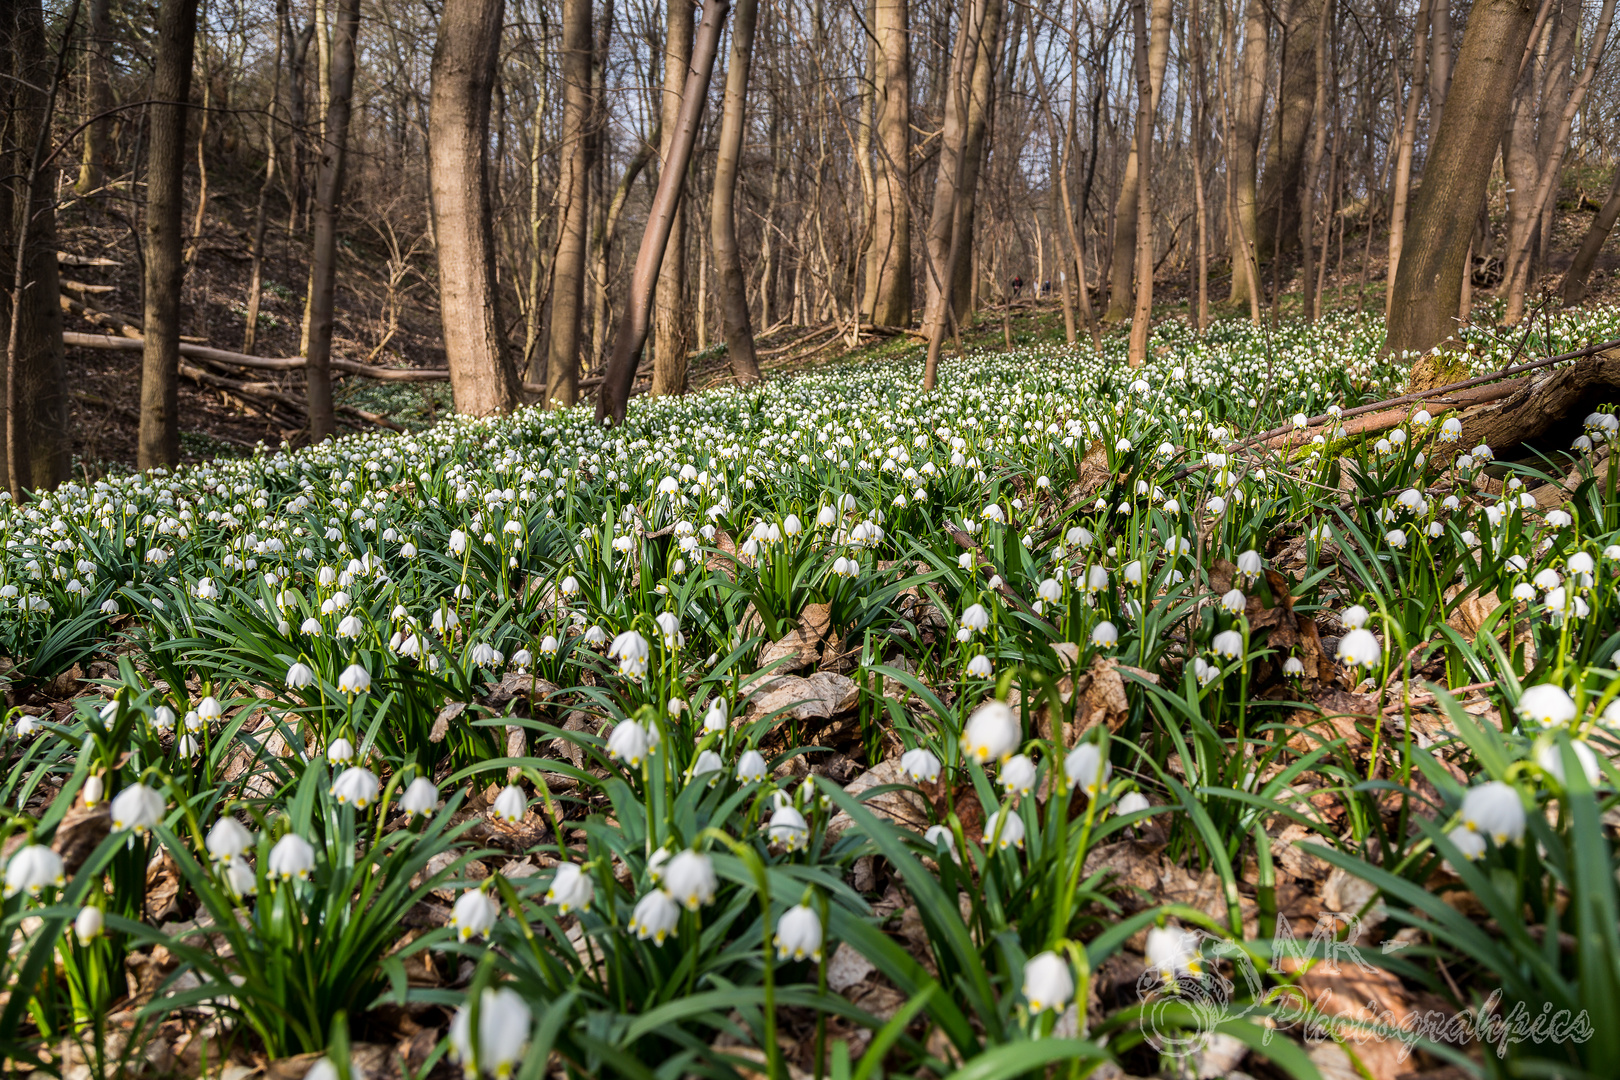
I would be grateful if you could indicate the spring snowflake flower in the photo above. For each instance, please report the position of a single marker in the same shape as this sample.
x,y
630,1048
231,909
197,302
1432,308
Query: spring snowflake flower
x,y
1012,832
1018,775
1173,952
1084,766
571,889
510,805
656,916
631,650
420,797
1228,644
1494,809
991,733
669,625
358,785
1547,704
1048,983
33,868
751,767
300,676
1359,648
473,914
921,765
87,926
689,878
980,667
228,840
1234,602
1132,802
137,808
503,1033
798,934
292,857
354,680
789,829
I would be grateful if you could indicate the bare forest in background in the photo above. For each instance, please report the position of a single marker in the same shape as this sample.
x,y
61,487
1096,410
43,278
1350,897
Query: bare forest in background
x,y
230,220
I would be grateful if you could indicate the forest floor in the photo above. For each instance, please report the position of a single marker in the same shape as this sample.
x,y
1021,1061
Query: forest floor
x,y
387,313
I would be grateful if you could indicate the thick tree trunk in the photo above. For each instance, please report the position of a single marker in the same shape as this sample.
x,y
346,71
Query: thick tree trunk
x,y
97,97
568,270
1581,269
1310,298
1279,210
1243,154
888,267
159,440
614,398
38,453
1428,284
1122,266
672,320
483,377
323,241
739,332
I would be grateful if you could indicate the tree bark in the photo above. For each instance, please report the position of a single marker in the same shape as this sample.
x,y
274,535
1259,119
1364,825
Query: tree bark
x,y
38,452
323,241
1311,298
1580,270
888,268
1278,214
1243,154
672,335
483,377
271,140
1123,263
1142,313
614,398
97,98
735,324
568,269
1406,141
159,440
1428,284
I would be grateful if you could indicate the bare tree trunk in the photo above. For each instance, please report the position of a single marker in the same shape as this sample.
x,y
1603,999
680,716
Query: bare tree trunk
x,y
1403,156
889,257
672,335
159,440
1428,285
1200,208
271,141
568,269
38,451
532,322
97,97
483,376
1307,209
1243,157
607,234
1123,264
1592,243
1142,313
323,241
1439,63
1277,215
739,333
614,398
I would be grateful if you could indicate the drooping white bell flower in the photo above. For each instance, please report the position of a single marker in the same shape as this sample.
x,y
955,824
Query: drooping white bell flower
x,y
798,934
921,765
1048,982
504,1019
571,889
656,916
1494,809
991,733
689,877
473,914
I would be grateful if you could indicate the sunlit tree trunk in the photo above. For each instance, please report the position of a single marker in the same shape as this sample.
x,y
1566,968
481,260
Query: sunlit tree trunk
x,y
735,324
672,316
568,270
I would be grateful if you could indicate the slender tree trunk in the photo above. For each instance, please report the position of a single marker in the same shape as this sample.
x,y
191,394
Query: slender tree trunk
x,y
738,331
533,359
159,440
1278,212
1200,207
1142,313
1122,266
606,236
38,452
97,97
1586,257
323,244
1403,157
889,257
614,399
568,269
1313,167
483,377
1439,62
672,335
1428,285
260,217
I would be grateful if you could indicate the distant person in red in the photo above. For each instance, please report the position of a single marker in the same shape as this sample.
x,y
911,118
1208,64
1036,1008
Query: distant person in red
x,y
1017,285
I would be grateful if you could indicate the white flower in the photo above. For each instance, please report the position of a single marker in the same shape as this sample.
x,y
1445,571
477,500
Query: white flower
x,y
1355,617
1105,635
798,934
750,767
420,797
1469,842
789,829
689,878
1173,951
510,805
292,857
1248,564
975,618
1547,704
1048,983
707,764
1228,644
354,680
356,784
1082,765
87,925
1050,590
921,765
571,890
503,1032
1132,802
473,914
1012,833
1551,759
939,834
340,751
1018,774
628,742
350,627
715,719
632,651
229,840
300,675
979,667
1359,648
137,808
1495,810
991,733
669,625
32,868
1234,602
656,916
94,788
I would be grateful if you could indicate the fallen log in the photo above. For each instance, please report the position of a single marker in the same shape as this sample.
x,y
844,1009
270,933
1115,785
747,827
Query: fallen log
x,y
260,363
